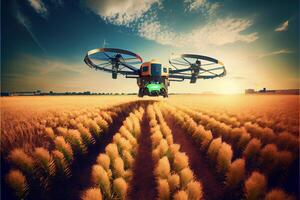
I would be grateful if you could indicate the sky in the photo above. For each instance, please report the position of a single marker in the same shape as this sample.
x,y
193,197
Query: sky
x,y
43,42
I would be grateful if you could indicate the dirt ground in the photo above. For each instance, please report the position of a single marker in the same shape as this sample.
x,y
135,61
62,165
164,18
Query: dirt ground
x,y
143,184
211,186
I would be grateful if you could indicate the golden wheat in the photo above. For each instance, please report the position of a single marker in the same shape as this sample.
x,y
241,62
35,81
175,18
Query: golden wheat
x,y
186,176
162,169
104,161
174,182
278,194
235,174
180,195
224,158
255,186
92,194
101,179
112,151
168,180
17,181
61,164
21,160
194,190
213,149
118,167
181,161
263,134
64,147
120,188
44,160
163,189
252,150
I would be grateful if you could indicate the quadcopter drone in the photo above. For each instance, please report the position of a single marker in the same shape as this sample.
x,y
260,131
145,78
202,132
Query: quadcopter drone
x,y
153,78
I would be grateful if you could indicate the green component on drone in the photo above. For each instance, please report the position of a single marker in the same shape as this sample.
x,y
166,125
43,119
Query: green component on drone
x,y
154,87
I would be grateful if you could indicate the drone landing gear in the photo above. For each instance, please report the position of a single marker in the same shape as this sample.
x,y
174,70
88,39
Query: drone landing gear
x,y
115,69
114,75
164,93
141,93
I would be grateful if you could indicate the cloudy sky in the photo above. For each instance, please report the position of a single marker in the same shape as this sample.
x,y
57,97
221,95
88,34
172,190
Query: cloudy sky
x,y
43,42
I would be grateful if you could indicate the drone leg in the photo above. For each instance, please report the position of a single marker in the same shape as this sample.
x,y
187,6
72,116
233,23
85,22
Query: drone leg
x,y
141,93
114,75
165,92
115,69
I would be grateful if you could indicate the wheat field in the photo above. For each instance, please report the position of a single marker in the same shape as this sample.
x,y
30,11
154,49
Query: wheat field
x,y
123,147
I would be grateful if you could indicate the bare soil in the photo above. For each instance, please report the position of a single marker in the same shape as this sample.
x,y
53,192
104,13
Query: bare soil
x,y
212,188
143,186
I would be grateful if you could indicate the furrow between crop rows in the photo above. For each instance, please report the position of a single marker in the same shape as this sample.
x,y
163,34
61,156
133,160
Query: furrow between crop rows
x,y
112,172
266,162
142,185
175,179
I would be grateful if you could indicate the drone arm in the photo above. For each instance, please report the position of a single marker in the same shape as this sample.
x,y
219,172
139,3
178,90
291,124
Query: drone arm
x,y
178,77
123,72
131,76
179,70
128,73
182,78
207,77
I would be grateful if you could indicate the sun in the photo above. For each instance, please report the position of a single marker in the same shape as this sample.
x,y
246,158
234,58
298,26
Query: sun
x,y
230,87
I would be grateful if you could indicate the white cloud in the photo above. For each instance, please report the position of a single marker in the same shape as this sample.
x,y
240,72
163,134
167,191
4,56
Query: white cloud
x,y
204,5
212,9
139,15
221,32
195,4
274,53
153,30
283,26
38,6
121,12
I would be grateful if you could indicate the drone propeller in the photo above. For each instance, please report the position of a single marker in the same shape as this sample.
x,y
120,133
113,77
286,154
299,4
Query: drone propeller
x,y
114,61
193,67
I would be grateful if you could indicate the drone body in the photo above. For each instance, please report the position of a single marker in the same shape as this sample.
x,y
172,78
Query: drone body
x,y
153,78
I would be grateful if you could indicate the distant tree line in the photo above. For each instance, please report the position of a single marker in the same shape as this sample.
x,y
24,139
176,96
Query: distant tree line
x,y
51,93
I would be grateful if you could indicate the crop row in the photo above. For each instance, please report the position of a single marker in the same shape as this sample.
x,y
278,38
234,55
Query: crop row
x,y
113,170
173,175
284,140
220,154
250,146
26,128
267,156
278,122
69,137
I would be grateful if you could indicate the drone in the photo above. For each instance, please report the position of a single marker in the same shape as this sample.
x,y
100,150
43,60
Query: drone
x,y
153,78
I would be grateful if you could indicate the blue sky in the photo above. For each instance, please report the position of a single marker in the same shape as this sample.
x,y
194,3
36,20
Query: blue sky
x,y
43,42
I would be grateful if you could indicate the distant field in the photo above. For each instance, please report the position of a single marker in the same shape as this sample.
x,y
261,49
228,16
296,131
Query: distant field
x,y
61,102
125,147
